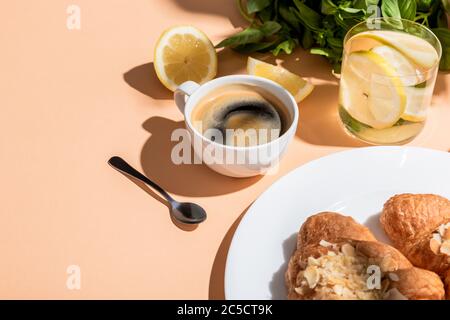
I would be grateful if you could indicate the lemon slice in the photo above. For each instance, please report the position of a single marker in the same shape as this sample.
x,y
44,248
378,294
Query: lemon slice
x,y
418,50
184,53
296,85
371,91
403,66
417,101
416,98
401,133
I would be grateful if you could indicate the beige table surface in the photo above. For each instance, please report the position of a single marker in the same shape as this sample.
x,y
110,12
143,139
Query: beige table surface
x,y
71,99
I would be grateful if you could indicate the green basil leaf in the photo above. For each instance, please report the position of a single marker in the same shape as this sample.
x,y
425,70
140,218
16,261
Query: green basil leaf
x,y
424,5
329,23
334,57
257,5
243,11
249,35
288,15
360,4
266,14
256,47
337,67
408,9
351,16
307,39
347,20
352,11
323,52
390,8
307,16
364,4
405,9
340,21
286,30
336,43
321,39
269,28
287,46
328,7
443,35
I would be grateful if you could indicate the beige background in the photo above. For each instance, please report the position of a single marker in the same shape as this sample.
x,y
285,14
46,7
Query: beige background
x,y
71,99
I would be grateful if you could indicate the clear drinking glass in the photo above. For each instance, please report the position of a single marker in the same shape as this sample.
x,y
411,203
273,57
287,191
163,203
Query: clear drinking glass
x,y
388,74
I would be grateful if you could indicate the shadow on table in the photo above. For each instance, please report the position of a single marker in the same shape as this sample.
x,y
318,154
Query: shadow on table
x,y
319,122
217,277
143,78
195,180
156,196
231,62
441,86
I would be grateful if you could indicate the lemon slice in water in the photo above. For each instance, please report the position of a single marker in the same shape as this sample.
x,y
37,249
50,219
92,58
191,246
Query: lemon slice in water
x,y
371,90
403,67
417,101
418,50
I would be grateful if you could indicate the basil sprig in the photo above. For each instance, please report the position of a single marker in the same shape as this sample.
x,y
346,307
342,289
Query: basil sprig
x,y
279,26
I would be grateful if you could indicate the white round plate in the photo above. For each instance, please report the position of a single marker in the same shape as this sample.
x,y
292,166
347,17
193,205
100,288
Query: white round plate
x,y
356,183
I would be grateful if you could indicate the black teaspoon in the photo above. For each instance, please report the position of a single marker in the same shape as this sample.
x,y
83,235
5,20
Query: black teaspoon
x,y
185,212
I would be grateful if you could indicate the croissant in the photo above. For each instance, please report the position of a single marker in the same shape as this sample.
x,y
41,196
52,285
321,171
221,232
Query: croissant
x,y
337,258
419,226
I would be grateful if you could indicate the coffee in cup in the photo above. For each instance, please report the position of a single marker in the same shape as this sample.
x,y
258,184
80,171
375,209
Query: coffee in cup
x,y
237,103
241,115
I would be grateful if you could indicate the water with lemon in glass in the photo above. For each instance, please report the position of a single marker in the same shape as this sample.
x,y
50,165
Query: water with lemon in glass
x,y
387,83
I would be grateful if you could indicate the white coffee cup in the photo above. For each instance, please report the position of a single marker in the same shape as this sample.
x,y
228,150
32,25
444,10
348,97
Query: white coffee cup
x,y
235,161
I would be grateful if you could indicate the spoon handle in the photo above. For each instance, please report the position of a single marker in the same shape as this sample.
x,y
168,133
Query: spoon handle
x,y
121,165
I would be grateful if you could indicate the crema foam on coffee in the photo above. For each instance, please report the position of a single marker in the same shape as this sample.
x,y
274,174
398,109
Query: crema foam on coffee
x,y
240,115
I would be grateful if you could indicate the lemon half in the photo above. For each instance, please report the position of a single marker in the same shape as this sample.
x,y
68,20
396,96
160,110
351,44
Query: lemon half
x,y
184,53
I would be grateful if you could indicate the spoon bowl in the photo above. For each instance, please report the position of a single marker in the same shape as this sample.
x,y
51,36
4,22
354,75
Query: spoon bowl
x,y
187,212
184,212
